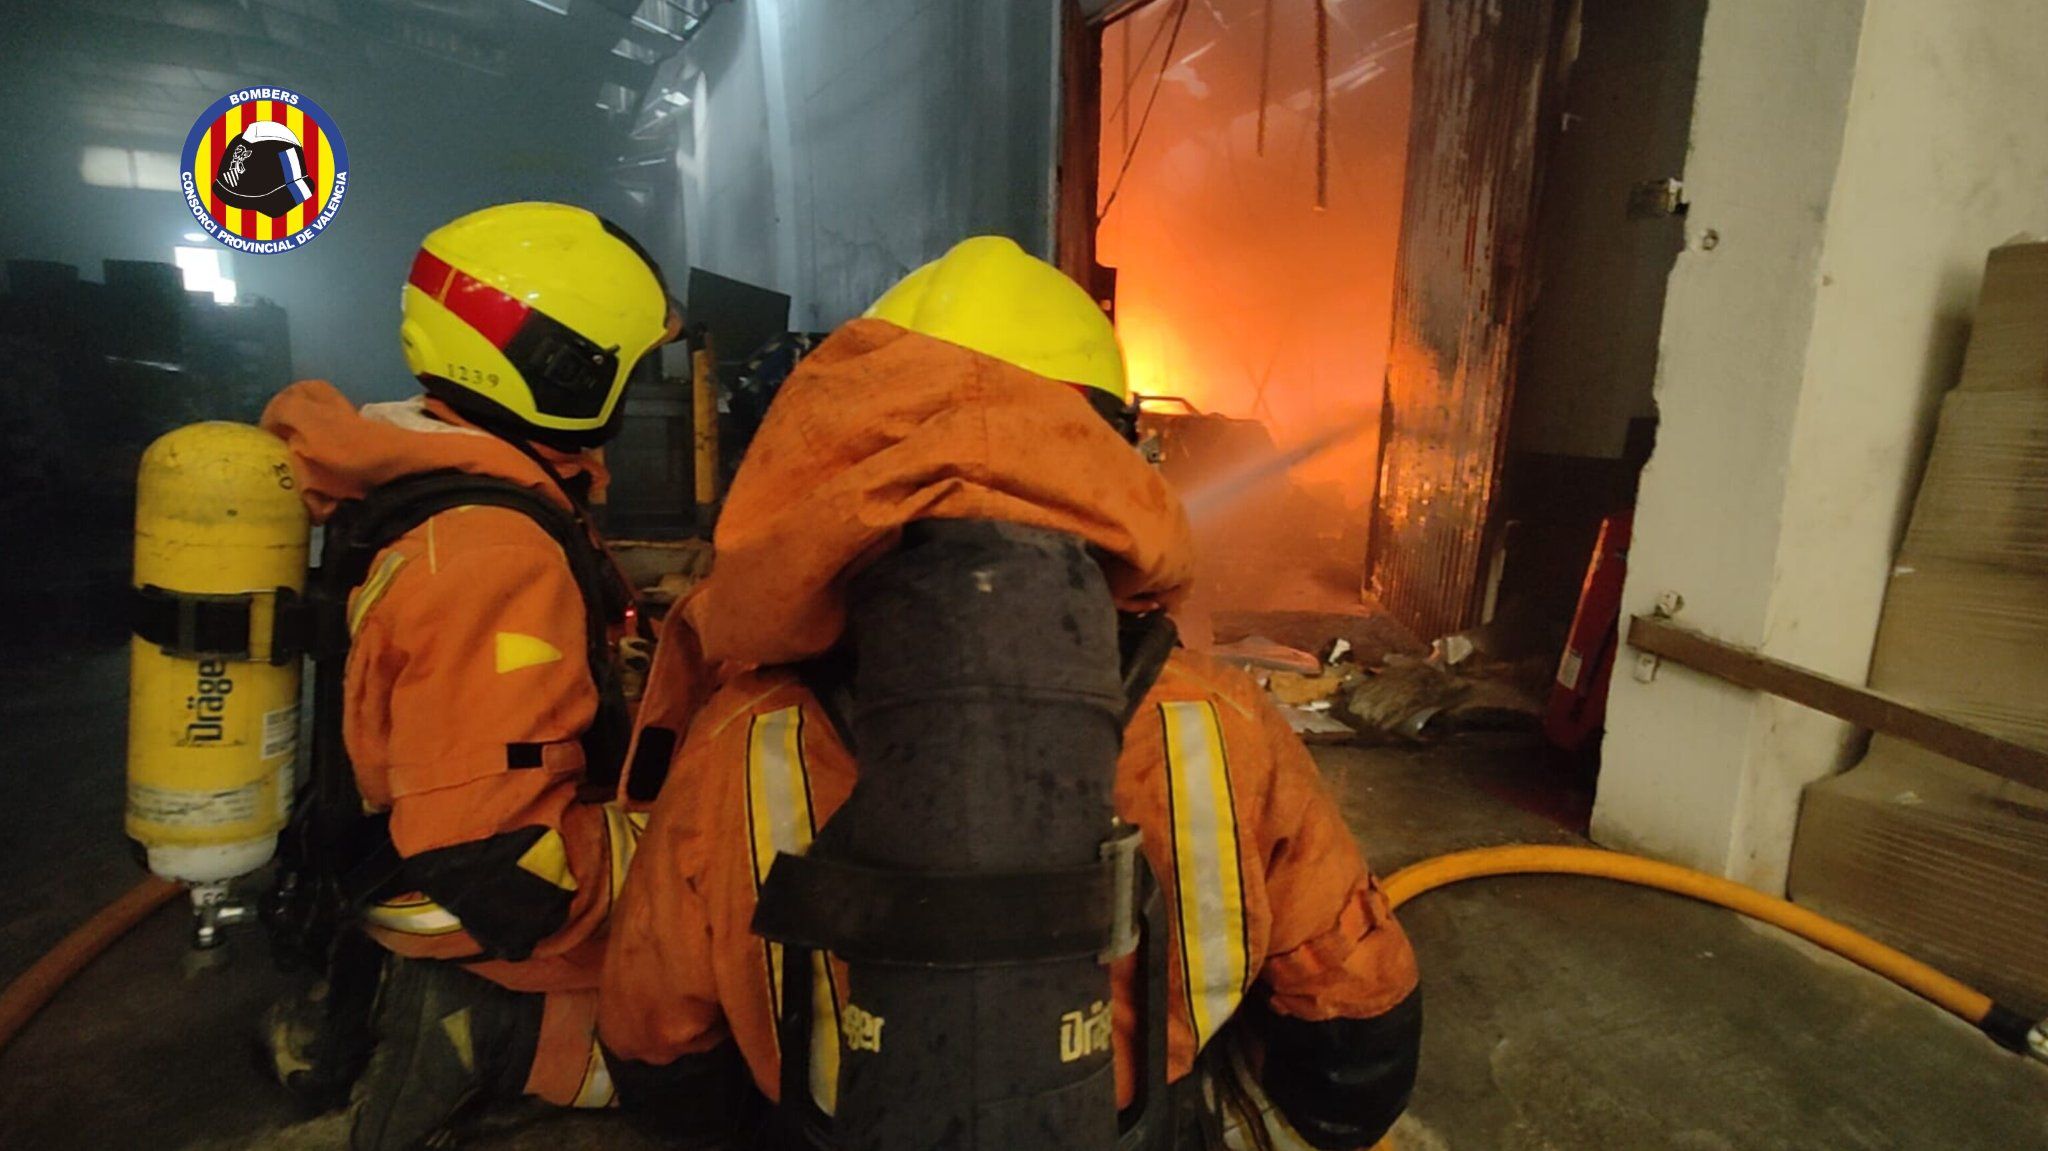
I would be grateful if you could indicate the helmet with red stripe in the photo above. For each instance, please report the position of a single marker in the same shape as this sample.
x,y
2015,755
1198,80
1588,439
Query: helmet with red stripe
x,y
531,319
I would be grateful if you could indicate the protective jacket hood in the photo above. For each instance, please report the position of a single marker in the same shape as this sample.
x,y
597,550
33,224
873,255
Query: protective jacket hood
x,y
340,452
881,426
876,428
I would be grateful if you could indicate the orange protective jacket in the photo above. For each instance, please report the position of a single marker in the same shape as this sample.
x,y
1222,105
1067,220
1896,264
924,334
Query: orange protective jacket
x,y
467,690
877,428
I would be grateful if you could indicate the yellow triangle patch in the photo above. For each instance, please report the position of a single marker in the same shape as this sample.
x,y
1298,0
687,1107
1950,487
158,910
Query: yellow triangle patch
x,y
517,650
456,1028
548,859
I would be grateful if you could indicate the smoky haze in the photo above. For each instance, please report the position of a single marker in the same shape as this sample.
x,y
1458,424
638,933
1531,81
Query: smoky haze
x,y
444,108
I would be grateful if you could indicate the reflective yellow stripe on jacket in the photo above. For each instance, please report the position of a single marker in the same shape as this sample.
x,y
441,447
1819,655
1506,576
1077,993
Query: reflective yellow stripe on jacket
x,y
373,589
412,915
1208,877
779,818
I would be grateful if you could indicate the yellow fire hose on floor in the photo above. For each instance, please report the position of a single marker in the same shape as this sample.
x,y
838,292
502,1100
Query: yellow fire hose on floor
x,y
2006,1027
27,994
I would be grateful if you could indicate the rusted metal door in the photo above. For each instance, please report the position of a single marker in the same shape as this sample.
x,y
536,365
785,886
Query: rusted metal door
x,y
1484,71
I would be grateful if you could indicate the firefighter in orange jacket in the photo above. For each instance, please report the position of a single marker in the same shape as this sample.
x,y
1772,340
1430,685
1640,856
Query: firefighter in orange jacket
x,y
471,699
976,389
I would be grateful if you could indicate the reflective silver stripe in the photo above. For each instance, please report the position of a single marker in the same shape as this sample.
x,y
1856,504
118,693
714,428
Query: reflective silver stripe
x,y
596,1090
1208,877
779,818
622,839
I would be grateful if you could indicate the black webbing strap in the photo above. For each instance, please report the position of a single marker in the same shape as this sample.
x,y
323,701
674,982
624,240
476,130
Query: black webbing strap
x,y
952,919
1148,1124
793,1036
1144,644
196,625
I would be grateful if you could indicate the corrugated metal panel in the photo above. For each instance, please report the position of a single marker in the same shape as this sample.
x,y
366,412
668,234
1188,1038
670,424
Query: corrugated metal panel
x,y
833,147
1461,286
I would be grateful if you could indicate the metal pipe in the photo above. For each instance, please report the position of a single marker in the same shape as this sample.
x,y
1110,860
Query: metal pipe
x,y
704,425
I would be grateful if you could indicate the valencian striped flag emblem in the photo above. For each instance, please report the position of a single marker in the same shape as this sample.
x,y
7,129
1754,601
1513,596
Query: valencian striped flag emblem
x,y
264,170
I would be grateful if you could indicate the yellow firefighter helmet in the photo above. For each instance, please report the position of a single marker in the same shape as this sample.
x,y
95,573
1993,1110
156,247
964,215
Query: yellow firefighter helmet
x,y
990,296
531,319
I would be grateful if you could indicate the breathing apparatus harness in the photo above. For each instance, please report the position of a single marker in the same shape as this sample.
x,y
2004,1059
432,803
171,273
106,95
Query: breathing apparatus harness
x,y
333,859
830,900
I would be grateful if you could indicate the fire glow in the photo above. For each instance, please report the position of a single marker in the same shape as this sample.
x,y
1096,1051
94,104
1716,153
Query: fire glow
x,y
1236,289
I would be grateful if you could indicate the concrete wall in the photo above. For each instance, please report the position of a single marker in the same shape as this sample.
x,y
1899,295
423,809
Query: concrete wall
x,y
1851,164
833,146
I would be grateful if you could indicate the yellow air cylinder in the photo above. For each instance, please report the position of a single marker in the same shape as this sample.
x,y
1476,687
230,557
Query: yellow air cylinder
x,y
213,722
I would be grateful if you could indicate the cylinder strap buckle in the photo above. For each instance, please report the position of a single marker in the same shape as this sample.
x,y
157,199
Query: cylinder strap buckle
x,y
1127,909
956,919
194,625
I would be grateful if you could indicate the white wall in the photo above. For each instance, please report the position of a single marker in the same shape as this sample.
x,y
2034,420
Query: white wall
x,y
1855,162
833,146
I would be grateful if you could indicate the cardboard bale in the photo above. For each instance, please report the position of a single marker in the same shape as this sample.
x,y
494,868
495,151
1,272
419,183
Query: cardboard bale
x,y
2009,340
1942,860
1945,861
1984,498
1969,641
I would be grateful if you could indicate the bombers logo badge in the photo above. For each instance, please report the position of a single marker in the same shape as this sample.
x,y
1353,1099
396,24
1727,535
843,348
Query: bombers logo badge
x,y
264,170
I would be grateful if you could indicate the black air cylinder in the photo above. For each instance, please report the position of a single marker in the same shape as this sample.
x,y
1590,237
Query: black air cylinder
x,y
987,725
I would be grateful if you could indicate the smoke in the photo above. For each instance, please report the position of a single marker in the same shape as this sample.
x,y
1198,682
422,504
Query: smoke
x,y
1235,289
1216,496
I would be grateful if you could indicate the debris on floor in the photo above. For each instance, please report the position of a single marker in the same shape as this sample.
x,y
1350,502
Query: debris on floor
x,y
1401,696
1258,652
1316,726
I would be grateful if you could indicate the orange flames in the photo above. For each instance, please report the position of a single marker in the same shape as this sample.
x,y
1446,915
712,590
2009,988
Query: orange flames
x,y
1234,290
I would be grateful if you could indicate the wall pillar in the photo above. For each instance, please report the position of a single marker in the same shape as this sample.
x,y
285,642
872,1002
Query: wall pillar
x,y
1853,163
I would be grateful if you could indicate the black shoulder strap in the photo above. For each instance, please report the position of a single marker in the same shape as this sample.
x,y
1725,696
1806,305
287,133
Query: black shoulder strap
x,y
365,527
1145,643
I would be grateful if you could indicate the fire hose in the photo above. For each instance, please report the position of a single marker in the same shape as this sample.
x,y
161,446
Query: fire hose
x,y
29,991
27,994
2006,1027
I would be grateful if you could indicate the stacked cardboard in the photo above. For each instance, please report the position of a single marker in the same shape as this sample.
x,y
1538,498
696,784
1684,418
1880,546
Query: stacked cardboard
x,y
1946,861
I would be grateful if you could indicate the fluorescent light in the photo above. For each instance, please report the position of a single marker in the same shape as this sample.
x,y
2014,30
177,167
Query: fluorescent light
x,y
156,171
106,167
194,237
643,22
204,272
549,7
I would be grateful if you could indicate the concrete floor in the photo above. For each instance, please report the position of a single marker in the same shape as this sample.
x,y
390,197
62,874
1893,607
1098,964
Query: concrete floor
x,y
1563,1013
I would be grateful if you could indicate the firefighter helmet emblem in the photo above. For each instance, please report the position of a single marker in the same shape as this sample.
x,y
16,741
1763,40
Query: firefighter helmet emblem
x,y
264,170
